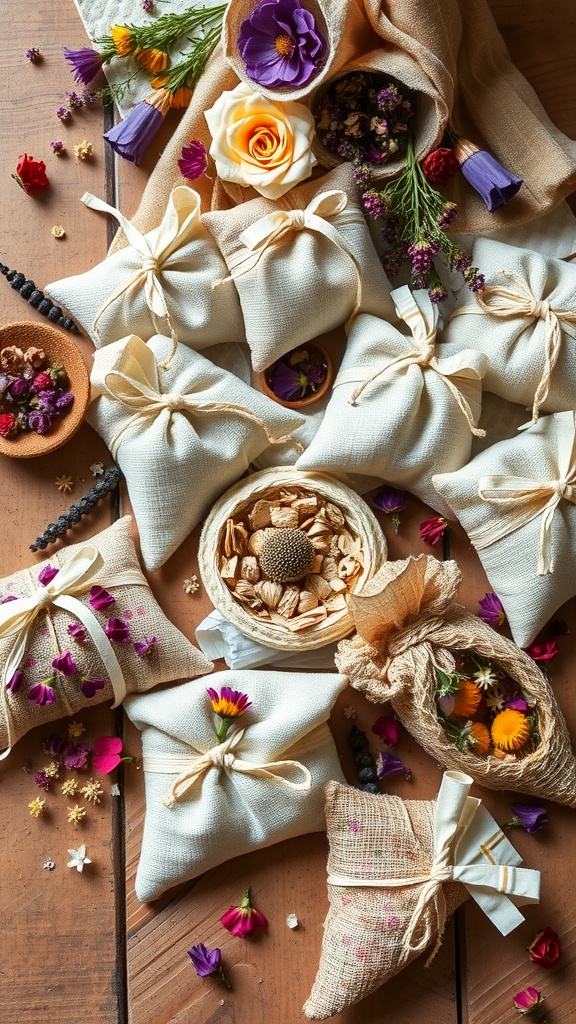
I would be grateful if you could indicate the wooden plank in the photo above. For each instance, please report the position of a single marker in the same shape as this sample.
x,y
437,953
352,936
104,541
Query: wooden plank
x,y
59,957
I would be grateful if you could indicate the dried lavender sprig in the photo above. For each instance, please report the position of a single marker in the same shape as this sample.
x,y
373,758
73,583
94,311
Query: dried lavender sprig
x,y
363,759
36,298
110,480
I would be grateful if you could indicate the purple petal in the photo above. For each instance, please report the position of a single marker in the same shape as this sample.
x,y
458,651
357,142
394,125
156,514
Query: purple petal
x,y
492,181
90,686
133,135
63,663
100,598
47,574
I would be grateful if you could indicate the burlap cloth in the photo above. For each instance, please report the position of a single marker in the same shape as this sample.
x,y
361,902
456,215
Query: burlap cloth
x,y
407,622
457,54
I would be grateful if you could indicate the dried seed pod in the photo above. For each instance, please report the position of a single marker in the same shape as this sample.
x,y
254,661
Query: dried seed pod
x,y
306,507
249,569
347,544
319,528
317,563
308,619
289,602
334,515
321,543
228,539
284,518
318,586
247,595
256,541
307,601
286,555
336,603
230,569
259,515
329,567
269,593
338,585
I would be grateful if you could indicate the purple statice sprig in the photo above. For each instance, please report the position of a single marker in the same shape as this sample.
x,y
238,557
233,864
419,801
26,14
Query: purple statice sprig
x,y
413,217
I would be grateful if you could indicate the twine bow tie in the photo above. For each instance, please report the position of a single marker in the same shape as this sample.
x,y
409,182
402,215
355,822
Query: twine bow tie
x,y
193,767
275,227
76,577
462,380
157,250
135,385
469,847
523,498
507,304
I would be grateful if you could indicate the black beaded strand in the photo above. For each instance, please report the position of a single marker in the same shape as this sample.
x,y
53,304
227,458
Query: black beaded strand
x,y
65,522
36,298
364,760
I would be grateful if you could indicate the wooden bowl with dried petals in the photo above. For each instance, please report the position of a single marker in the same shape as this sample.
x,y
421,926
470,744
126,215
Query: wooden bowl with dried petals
x,y
281,551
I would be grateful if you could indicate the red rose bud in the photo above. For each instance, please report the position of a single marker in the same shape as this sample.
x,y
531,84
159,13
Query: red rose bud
x,y
31,175
545,949
528,1001
440,165
243,920
7,424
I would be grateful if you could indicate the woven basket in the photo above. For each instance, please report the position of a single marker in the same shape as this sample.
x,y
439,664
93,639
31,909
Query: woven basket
x,y
266,485
59,349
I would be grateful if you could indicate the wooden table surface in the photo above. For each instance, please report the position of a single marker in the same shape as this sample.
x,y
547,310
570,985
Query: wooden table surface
x,y
79,947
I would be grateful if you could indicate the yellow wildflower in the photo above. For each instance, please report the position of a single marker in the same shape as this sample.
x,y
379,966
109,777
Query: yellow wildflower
x,y
510,730
122,39
70,787
58,231
76,814
75,729
36,807
64,483
153,60
53,770
83,150
92,791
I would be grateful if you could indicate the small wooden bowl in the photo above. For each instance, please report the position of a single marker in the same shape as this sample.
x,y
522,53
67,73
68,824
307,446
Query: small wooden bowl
x,y
58,349
301,403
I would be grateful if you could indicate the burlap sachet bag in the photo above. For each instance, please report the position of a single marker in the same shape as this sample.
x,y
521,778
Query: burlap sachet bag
x,y
160,283
397,870
207,799
408,624
303,265
517,503
524,320
398,409
181,436
99,609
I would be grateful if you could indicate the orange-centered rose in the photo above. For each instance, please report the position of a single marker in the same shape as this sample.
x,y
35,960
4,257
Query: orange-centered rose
x,y
258,142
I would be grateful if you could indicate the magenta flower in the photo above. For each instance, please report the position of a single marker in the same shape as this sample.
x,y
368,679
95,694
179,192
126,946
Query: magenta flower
x,y
528,816
100,598
432,530
43,693
54,746
15,682
131,137
63,114
491,610
57,147
85,63
9,597
543,650
118,631
106,754
207,961
495,185
77,632
387,765
388,730
90,686
63,663
280,45
144,648
38,421
42,780
34,55
76,755
243,920
517,702
193,160
528,1001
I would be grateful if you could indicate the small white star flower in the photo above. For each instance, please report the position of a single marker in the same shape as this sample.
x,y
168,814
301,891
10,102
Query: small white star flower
x,y
49,865
496,699
78,858
485,678
97,468
349,711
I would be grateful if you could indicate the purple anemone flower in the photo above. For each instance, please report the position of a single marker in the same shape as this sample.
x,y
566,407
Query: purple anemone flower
x,y
280,45
530,816
389,765
90,686
284,381
39,421
63,663
390,499
193,160
100,598
118,630
206,961
85,63
131,137
43,693
15,682
517,702
491,610
47,574
495,185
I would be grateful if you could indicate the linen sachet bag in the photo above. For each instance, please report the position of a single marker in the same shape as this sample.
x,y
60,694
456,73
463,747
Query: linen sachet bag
x,y
82,628
161,282
411,640
399,410
397,870
234,769
303,265
524,320
516,501
181,435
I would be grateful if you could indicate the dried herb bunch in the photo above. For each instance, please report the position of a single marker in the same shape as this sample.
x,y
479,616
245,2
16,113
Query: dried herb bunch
x,y
291,558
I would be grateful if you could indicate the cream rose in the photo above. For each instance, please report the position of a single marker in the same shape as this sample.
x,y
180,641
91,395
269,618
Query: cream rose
x,y
258,142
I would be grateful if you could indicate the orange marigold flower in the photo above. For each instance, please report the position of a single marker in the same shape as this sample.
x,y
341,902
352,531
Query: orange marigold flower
x,y
510,730
122,39
159,81
466,699
181,98
479,739
153,59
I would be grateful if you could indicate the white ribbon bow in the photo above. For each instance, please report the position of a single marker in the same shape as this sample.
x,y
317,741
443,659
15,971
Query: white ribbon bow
x,y
157,250
526,498
17,617
274,227
469,847
194,766
462,380
135,385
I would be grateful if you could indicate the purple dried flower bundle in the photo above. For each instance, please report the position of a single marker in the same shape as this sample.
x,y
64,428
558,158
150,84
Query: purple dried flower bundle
x,y
280,44
363,117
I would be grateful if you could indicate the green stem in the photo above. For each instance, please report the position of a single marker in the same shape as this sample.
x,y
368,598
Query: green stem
x,y
223,729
